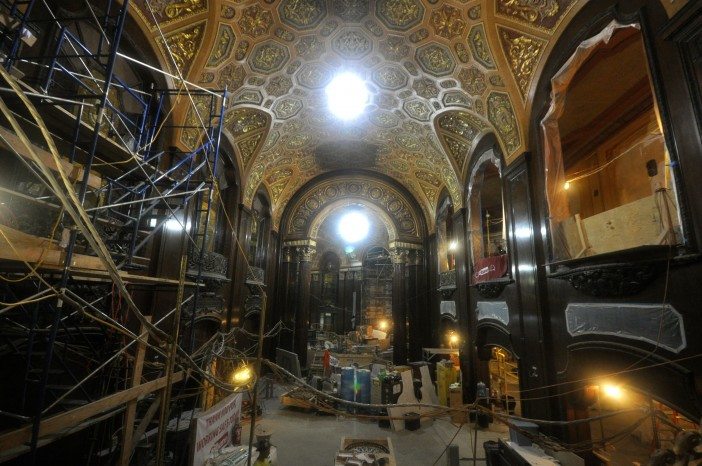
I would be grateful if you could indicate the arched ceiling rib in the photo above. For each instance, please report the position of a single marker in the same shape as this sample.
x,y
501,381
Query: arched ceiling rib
x,y
441,74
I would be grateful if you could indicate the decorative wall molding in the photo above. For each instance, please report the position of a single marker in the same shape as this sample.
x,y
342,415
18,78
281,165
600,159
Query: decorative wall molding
x,y
610,280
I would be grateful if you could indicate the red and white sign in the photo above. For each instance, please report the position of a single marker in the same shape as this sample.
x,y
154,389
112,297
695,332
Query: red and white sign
x,y
213,428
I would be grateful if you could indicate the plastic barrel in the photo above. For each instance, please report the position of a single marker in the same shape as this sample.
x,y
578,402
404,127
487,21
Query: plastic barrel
x,y
347,383
363,383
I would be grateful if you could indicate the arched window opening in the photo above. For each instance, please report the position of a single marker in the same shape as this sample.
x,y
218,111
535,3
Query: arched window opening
x,y
487,231
609,179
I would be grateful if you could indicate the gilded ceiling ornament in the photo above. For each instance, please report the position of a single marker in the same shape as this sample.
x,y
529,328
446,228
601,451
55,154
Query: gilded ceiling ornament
x,y
174,10
426,88
448,83
182,46
409,141
328,27
232,77
479,107
248,96
474,13
284,34
241,50
496,80
457,98
400,14
278,175
310,47
386,101
472,80
271,140
279,85
223,45
428,177
247,147
462,124
313,75
429,191
255,21
268,57
447,22
411,67
457,150
383,119
256,80
390,77
419,35
192,134
240,121
277,190
462,52
394,48
435,59
287,108
350,10
522,54
418,109
207,77
302,14
374,28
532,11
228,11
479,46
292,67
352,44
501,115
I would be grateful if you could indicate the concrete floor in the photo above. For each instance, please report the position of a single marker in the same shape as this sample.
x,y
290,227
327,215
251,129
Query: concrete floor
x,y
309,439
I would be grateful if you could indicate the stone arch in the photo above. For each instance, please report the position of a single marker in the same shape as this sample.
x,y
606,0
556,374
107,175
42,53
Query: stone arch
x,y
340,204
396,207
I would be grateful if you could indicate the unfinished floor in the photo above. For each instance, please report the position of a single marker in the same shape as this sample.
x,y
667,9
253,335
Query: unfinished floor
x,y
309,439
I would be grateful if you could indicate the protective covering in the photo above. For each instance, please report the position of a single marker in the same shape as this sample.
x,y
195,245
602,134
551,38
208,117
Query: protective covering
x,y
660,325
496,310
648,209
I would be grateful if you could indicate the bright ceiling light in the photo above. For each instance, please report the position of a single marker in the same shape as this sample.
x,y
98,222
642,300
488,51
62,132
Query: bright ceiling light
x,y
353,227
347,96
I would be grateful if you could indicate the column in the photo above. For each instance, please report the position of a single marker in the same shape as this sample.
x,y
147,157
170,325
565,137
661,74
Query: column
x,y
302,317
399,306
415,310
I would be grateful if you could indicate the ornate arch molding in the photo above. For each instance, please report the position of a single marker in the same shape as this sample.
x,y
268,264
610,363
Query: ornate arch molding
x,y
396,206
484,144
491,333
320,216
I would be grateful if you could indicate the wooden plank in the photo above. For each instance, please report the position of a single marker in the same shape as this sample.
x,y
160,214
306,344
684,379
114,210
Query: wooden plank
x,y
74,171
145,421
55,424
130,414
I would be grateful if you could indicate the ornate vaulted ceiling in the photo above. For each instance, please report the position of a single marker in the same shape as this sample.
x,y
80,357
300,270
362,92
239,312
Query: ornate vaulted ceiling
x,y
441,74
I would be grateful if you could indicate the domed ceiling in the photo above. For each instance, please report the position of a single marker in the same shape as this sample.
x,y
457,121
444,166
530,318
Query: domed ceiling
x,y
441,74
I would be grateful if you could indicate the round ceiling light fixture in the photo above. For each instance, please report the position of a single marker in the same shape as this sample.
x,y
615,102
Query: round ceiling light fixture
x,y
353,227
347,96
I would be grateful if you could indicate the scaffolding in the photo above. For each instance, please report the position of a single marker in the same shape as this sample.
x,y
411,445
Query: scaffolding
x,y
91,196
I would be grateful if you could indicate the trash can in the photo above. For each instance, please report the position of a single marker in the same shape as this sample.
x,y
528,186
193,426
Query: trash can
x,y
492,453
411,421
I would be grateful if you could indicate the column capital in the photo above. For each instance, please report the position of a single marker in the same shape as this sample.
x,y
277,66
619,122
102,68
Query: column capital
x,y
398,256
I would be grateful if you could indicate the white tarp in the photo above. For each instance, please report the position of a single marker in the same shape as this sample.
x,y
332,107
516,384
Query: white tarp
x,y
213,428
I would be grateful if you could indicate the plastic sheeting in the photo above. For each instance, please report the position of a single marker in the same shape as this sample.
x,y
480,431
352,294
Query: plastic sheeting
x,y
448,308
660,325
496,310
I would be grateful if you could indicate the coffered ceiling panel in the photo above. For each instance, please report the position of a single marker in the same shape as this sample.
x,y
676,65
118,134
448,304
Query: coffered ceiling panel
x,y
440,73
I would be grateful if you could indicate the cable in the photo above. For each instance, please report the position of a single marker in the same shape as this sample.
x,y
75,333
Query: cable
x,y
447,445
